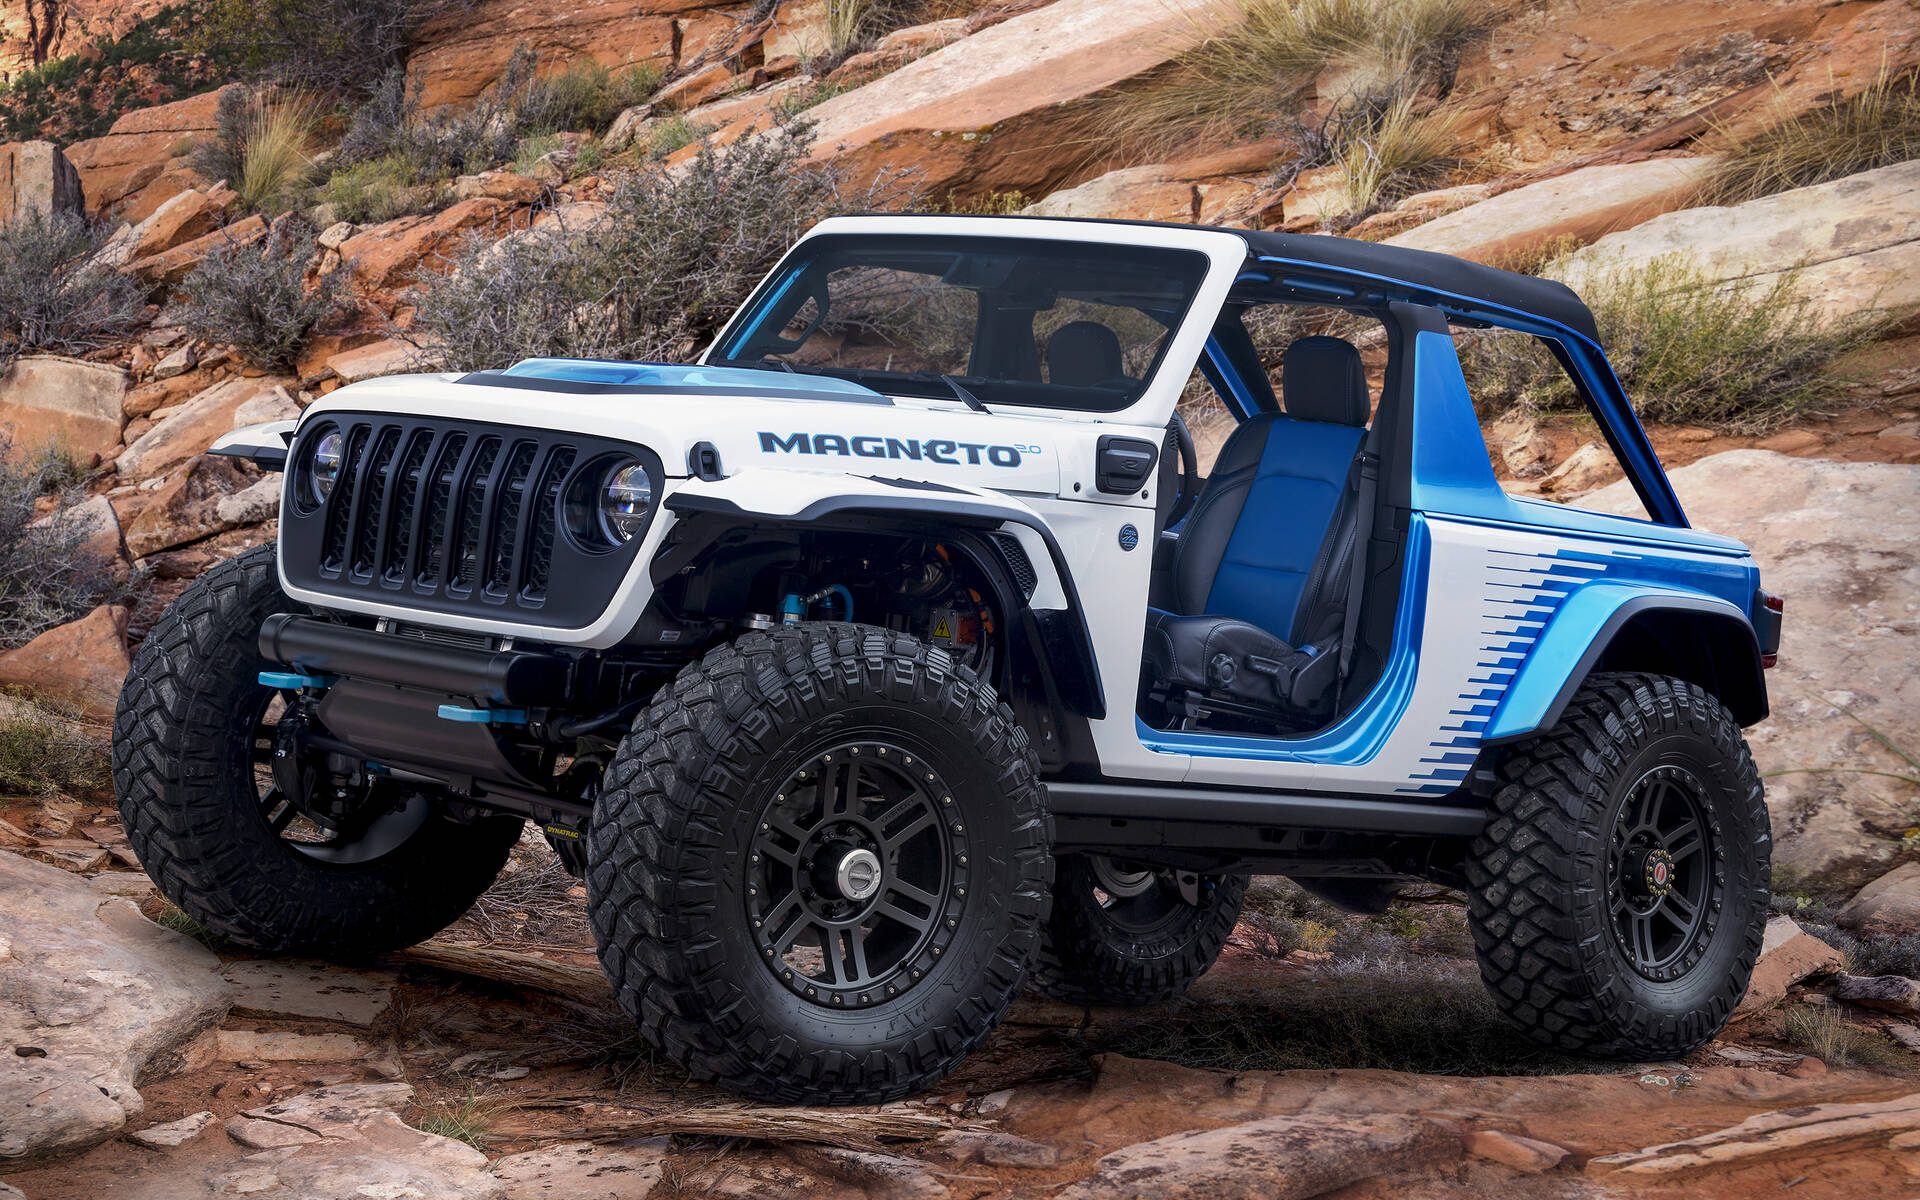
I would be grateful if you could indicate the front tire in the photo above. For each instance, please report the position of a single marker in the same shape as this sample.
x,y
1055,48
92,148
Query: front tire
x,y
819,865
186,742
1122,934
1619,893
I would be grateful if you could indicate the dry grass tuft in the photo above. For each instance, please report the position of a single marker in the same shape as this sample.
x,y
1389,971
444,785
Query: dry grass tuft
x,y
1741,357
1251,58
1876,127
1387,154
276,157
1827,1035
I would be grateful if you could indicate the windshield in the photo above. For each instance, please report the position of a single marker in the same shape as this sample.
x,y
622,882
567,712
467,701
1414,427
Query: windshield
x,y
1078,325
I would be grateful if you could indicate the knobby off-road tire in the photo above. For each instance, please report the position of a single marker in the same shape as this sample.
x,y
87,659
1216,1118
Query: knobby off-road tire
x,y
1127,937
184,775
716,832
1576,941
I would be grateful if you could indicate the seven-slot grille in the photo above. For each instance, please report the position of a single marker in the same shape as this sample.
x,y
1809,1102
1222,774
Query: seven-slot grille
x,y
454,517
446,511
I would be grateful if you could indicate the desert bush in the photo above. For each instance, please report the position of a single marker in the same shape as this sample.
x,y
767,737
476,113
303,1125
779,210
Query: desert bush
x,y
46,577
585,97
1873,128
1251,57
54,296
1743,357
325,44
41,752
254,297
653,279
414,147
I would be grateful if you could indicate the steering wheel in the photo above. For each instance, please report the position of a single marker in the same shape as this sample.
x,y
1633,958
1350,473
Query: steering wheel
x,y
1188,472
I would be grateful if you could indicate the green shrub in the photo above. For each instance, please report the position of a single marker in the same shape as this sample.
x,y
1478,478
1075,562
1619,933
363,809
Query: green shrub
x,y
378,190
674,133
46,578
654,279
255,298
585,97
326,44
1878,126
53,295
1743,357
42,753
416,148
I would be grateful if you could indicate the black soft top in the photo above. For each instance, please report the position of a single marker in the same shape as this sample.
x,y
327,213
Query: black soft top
x,y
1422,270
1546,298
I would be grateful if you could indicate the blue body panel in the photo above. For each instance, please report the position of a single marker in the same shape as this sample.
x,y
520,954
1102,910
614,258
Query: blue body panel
x,y
1502,601
721,381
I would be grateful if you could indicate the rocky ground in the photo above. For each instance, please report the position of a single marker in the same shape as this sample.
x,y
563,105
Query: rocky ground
x,y
492,1063
1355,1057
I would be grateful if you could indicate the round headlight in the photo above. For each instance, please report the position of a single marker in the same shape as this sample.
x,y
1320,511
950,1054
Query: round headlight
x,y
325,468
625,500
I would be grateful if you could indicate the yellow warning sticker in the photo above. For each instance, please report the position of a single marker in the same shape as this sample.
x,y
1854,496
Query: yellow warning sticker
x,y
942,629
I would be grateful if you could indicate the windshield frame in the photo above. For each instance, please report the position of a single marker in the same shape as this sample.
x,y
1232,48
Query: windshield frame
x,y
1224,251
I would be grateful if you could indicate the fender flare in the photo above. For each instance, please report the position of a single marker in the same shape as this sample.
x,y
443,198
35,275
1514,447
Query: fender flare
x,y
1578,637
1062,639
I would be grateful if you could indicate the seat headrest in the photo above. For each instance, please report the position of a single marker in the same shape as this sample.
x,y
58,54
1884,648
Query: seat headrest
x,y
1083,353
1322,380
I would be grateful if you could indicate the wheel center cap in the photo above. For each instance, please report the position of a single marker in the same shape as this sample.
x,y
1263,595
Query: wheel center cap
x,y
858,874
1657,874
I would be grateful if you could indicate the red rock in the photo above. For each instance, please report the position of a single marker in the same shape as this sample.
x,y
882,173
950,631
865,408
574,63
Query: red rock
x,y
1523,1154
1787,956
461,54
137,164
992,111
80,664
391,255
186,508
171,266
191,428
696,89
36,177
182,218
48,400
1889,905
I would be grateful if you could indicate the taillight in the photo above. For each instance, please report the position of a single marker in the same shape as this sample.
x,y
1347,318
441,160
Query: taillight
x,y
1772,613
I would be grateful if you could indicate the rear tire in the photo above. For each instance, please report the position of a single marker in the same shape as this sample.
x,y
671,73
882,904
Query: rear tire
x,y
1120,936
819,865
183,769
1619,894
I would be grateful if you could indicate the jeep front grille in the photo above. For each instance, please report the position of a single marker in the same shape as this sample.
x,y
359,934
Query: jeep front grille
x,y
456,518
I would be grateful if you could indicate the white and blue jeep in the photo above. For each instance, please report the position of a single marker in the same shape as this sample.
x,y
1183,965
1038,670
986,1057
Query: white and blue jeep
x,y
898,653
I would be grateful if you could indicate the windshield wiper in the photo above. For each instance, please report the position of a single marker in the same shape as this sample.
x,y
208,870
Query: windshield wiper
x,y
966,397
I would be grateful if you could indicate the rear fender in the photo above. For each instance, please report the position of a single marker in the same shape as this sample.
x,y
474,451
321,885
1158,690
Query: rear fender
x,y
1603,626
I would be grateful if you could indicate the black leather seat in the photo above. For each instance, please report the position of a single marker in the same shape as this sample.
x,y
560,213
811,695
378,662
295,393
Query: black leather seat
x,y
1084,354
1263,563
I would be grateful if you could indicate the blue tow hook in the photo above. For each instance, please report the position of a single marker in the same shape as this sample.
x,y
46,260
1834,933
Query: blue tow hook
x,y
296,679
483,716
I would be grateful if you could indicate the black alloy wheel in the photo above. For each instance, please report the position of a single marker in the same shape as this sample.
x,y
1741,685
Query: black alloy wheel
x,y
855,875
1665,891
